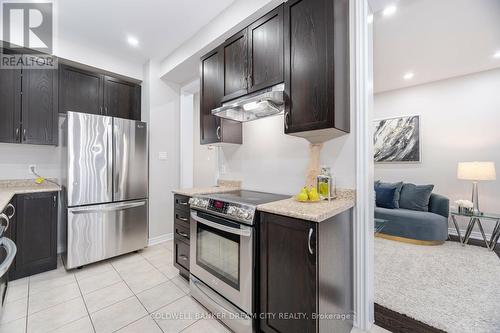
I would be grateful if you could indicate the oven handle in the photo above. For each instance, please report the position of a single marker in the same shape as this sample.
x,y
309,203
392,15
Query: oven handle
x,y
10,248
243,231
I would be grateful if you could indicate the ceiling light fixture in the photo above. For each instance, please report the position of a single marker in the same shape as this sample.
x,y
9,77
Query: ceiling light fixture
x,y
389,10
133,41
497,55
409,76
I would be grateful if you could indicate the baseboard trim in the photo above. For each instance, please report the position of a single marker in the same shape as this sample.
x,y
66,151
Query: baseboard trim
x,y
160,239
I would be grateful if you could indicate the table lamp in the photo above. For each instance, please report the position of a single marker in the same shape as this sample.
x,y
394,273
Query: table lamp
x,y
476,171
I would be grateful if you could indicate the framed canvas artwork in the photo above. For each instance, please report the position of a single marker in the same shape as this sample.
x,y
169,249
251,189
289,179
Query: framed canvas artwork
x,y
397,140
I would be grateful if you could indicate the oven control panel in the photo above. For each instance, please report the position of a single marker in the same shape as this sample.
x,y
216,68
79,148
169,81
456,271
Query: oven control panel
x,y
230,210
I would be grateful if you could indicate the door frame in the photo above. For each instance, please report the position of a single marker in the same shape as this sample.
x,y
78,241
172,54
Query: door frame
x,y
362,108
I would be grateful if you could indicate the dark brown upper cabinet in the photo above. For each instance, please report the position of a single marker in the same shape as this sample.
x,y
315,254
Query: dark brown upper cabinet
x,y
80,90
28,106
122,99
265,51
96,93
39,107
235,66
214,129
10,105
317,68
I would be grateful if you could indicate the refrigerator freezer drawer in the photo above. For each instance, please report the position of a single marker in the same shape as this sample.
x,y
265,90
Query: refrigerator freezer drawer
x,y
99,232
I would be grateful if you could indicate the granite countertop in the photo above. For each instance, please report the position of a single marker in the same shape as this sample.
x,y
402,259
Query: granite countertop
x,y
9,188
222,186
315,212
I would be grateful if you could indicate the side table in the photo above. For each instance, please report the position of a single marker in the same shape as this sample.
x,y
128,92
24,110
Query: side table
x,y
476,219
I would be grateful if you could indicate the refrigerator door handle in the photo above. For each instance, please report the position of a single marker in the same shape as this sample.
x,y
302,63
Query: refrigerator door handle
x,y
109,147
108,208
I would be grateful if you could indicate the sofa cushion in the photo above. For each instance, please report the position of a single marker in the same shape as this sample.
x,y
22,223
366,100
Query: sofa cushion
x,y
413,224
387,194
415,197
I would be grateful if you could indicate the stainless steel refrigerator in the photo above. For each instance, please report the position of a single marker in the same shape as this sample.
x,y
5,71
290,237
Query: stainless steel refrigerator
x,y
106,186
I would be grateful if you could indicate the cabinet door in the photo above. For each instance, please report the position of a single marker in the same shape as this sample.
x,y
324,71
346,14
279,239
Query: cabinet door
x,y
122,99
36,233
309,65
212,85
10,105
265,51
288,276
235,66
80,90
39,107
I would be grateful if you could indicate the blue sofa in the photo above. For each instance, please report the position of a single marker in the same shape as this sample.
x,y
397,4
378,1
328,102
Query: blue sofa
x,y
416,226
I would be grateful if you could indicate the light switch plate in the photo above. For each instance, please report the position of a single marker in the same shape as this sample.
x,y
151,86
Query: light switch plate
x,y
162,155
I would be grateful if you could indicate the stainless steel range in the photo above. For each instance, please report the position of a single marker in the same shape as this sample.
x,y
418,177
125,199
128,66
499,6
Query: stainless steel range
x,y
222,254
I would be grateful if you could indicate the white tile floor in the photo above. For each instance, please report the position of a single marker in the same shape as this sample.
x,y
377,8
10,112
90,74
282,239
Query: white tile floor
x,y
135,293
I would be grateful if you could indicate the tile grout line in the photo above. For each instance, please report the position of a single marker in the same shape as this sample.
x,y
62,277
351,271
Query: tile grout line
x,y
135,295
85,304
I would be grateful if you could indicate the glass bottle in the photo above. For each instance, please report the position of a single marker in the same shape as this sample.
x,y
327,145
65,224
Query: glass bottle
x,y
325,184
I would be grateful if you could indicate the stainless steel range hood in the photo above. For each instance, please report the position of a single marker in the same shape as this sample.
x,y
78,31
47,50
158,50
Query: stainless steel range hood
x,y
262,104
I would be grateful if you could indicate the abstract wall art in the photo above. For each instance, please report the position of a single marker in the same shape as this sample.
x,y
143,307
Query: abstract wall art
x,y
397,140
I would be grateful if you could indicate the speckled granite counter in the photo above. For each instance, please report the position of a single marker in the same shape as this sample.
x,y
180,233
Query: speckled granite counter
x,y
9,188
315,212
222,186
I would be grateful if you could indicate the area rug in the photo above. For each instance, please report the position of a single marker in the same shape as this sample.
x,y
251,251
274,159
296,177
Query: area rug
x,y
450,287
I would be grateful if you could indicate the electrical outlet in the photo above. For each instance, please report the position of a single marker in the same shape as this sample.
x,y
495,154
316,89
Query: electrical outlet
x,y
32,169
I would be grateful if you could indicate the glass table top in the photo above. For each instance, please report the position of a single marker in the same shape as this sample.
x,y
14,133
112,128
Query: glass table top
x,y
483,215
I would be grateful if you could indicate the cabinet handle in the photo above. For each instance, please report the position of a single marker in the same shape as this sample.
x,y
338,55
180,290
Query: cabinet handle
x,y
250,80
54,199
182,219
11,206
309,241
183,257
182,203
100,110
287,116
183,234
218,132
106,110
17,133
24,134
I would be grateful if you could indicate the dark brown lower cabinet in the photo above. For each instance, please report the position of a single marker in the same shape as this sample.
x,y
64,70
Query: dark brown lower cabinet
x,y
181,234
34,230
306,272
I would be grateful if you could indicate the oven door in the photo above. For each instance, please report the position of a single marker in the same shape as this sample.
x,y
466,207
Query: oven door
x,y
221,256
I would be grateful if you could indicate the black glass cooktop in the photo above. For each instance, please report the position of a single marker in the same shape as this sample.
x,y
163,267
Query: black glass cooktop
x,y
248,197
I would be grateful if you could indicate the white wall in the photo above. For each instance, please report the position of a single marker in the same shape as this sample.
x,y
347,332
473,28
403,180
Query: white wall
x,y
271,161
161,109
460,121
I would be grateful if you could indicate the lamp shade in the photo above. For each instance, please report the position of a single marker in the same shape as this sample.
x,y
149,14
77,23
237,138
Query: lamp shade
x,y
476,171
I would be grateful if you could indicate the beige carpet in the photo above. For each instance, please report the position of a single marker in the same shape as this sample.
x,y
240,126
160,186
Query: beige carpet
x,y
450,287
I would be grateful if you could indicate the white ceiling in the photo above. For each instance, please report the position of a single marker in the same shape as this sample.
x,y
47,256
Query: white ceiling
x,y
160,25
435,39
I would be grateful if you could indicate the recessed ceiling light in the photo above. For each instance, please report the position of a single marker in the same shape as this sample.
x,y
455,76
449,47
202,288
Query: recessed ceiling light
x,y
409,76
389,10
497,55
133,41
369,19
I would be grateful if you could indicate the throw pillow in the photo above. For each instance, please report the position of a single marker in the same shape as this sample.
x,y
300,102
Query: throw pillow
x,y
387,194
415,197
